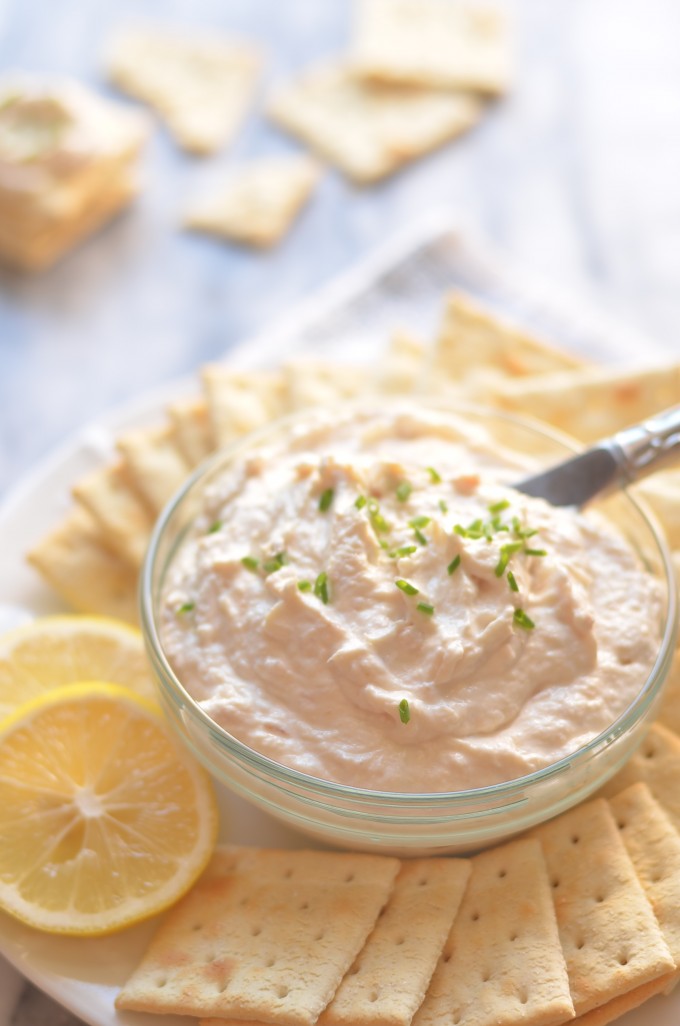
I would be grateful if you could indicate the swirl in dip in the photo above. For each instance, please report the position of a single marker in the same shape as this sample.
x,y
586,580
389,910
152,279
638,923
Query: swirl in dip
x,y
369,601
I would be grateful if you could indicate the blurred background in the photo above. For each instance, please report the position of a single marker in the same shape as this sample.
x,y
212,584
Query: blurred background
x,y
576,174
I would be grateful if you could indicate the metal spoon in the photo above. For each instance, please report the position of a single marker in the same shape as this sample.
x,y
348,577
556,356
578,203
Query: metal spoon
x,y
611,464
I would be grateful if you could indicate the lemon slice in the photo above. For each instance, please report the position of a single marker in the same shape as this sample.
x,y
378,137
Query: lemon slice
x,y
103,819
55,650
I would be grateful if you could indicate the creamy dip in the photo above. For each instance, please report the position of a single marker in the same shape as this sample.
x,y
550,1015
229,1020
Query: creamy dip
x,y
370,602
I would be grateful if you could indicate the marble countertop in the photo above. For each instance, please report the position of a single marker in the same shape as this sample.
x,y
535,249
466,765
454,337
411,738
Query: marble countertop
x,y
576,174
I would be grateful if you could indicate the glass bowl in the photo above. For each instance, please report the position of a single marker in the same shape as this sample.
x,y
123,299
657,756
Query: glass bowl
x,y
407,823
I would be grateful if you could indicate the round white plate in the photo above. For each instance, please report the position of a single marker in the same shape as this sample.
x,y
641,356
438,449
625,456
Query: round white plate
x,y
403,284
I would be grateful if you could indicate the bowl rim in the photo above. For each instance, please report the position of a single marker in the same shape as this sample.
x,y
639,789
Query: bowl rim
x,y
299,780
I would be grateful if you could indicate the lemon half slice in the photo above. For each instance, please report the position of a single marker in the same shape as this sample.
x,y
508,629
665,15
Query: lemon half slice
x,y
55,650
103,820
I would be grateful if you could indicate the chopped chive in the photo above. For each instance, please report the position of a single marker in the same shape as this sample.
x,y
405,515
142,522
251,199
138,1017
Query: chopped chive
x,y
443,507
404,489
459,529
304,586
475,526
522,620
404,711
326,500
250,563
506,552
378,522
360,501
536,552
420,537
321,587
419,521
425,607
406,587
435,477
511,581
498,526
270,566
498,507
453,565
383,544
405,550
186,607
215,527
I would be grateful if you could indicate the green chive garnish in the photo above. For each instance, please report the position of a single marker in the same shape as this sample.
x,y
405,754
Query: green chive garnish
x,y
425,607
360,501
536,552
511,581
406,587
378,522
498,507
304,586
404,489
215,527
419,521
272,565
506,552
453,565
326,500
443,507
522,620
186,607
250,563
404,711
459,529
321,587
405,550
434,476
420,537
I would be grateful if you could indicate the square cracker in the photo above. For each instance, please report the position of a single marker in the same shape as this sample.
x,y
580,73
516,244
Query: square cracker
x,y
436,43
200,84
193,433
124,519
259,202
388,980
653,845
310,382
154,462
502,963
669,711
265,935
620,1005
369,131
657,764
75,560
611,940
662,493
402,369
241,401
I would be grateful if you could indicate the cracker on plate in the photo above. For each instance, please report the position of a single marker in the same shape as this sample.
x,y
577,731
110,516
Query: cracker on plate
x,y
438,43
388,980
265,935
657,764
84,571
193,431
258,202
241,401
369,131
611,940
200,83
502,963
402,369
154,462
309,382
124,518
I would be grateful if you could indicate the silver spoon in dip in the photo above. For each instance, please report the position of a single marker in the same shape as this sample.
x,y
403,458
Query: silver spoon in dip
x,y
611,464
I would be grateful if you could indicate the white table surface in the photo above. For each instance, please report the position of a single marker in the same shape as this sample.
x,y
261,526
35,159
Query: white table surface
x,y
577,174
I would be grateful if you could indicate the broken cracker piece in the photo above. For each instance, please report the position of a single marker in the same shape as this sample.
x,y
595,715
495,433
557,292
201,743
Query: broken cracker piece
x,y
369,131
265,935
436,43
200,84
259,202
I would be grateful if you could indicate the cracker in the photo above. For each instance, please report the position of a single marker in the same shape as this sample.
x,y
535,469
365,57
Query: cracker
x,y
200,84
84,571
611,940
662,493
657,764
154,463
653,844
311,382
241,401
369,131
265,935
669,711
593,402
403,367
473,337
259,202
124,519
388,980
625,1003
502,962
433,43
193,431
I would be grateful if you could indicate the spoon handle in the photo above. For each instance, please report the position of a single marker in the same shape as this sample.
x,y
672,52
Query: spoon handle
x,y
649,446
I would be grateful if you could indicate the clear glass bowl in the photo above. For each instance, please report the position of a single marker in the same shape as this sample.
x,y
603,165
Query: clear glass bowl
x,y
413,823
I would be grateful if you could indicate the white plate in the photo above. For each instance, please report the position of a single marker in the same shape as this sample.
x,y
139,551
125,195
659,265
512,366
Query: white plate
x,y
402,285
